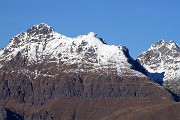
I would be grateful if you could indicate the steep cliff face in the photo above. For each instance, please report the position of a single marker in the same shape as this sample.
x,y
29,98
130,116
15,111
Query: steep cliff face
x,y
162,62
40,66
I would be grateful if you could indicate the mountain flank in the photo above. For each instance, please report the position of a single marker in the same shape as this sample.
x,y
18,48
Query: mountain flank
x,y
45,75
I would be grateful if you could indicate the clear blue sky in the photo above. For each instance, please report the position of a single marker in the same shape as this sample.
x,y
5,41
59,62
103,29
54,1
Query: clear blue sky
x,y
135,24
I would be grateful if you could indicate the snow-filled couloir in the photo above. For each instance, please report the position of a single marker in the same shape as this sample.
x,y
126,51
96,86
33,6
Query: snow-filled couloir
x,y
41,46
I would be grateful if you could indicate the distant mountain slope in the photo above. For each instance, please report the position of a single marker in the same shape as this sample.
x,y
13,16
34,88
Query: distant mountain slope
x,y
162,62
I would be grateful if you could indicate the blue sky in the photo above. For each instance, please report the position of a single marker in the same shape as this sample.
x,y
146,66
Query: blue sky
x,y
135,24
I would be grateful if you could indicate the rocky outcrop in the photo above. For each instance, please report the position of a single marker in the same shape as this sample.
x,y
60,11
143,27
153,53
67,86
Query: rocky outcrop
x,y
6,114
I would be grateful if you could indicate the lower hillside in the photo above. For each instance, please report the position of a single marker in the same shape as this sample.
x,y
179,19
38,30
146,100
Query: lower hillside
x,y
83,96
106,109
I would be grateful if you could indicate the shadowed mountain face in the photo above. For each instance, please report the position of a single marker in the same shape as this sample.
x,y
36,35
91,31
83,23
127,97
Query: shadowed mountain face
x,y
107,109
47,76
6,114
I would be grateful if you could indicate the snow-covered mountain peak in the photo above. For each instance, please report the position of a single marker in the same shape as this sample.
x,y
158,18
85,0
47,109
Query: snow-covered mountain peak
x,y
92,34
162,44
158,45
172,45
162,58
123,48
41,28
42,45
92,37
37,33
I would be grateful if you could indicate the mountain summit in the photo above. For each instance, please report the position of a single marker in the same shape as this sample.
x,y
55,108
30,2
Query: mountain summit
x,y
162,62
85,53
41,28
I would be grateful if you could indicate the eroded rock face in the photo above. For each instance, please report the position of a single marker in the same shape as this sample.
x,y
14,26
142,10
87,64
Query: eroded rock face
x,y
23,89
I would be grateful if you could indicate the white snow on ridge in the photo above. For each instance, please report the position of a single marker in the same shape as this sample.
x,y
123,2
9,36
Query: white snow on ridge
x,y
1,52
87,50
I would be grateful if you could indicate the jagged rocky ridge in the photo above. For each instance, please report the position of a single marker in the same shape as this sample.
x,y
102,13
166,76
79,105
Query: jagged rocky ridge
x,y
41,66
162,62
85,53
